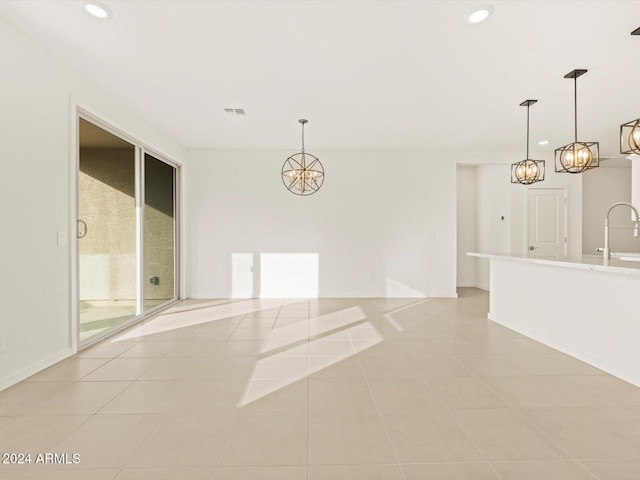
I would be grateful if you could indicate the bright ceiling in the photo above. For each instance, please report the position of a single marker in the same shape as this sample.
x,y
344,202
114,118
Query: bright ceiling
x,y
375,75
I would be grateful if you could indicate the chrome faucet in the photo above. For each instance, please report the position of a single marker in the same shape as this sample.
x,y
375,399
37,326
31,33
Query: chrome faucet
x,y
606,253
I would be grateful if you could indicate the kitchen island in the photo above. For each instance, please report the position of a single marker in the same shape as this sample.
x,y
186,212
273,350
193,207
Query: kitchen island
x,y
589,308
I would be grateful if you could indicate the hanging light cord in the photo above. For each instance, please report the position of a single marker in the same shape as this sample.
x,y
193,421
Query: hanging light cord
x,y
575,108
302,137
528,106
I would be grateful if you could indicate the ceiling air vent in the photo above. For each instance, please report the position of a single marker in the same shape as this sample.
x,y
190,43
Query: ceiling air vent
x,y
235,111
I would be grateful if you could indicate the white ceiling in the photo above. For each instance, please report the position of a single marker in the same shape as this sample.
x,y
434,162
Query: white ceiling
x,y
367,74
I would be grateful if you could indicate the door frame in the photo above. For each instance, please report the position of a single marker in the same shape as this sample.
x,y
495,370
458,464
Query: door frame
x,y
566,217
78,110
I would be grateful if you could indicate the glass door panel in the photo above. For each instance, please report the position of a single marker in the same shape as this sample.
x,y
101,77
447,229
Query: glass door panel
x,y
159,232
107,230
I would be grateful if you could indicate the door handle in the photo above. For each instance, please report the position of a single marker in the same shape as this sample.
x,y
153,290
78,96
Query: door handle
x,y
82,233
531,247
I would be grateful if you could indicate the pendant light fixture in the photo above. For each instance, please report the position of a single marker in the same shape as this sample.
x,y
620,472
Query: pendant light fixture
x,y
527,171
630,131
302,173
577,157
630,137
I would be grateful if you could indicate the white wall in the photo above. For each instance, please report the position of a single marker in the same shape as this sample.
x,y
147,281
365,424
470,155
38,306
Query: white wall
x,y
466,225
35,193
635,180
601,188
493,211
383,224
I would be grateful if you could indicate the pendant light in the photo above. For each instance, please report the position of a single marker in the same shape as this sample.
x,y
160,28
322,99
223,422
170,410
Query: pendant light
x,y
630,131
577,157
302,173
630,137
527,171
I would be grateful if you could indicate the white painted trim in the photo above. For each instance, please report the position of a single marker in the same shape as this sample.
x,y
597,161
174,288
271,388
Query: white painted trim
x,y
561,347
180,243
139,206
473,285
370,295
78,109
74,159
178,232
32,369
129,323
114,127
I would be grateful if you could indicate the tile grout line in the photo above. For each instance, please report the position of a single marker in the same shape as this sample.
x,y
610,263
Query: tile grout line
x,y
236,415
246,389
375,404
473,443
482,381
521,415
89,416
446,410
164,416
96,414
462,430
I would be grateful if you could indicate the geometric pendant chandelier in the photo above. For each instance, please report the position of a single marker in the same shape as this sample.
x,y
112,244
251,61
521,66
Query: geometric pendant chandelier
x,y
630,137
527,171
577,157
630,131
302,173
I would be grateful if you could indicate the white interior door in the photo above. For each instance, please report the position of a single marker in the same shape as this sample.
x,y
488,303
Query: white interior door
x,y
547,232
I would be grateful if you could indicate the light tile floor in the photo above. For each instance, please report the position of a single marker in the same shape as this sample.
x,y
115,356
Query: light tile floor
x,y
352,389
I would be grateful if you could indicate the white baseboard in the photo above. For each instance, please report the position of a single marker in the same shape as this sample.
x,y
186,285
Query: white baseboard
x,y
435,294
569,350
32,369
473,285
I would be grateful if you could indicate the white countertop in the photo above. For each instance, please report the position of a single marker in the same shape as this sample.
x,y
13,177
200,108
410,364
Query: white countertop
x,y
586,262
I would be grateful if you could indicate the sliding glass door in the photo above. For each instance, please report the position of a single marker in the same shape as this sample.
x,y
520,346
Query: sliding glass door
x,y
127,260
159,232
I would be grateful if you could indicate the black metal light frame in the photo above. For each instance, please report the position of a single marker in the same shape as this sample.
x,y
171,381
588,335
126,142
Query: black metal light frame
x,y
527,171
630,131
577,157
302,173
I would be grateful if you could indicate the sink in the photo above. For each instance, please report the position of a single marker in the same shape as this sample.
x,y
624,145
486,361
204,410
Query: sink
x,y
628,258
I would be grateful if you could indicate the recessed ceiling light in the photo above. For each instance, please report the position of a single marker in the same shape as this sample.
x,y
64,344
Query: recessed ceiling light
x,y
98,10
543,142
479,14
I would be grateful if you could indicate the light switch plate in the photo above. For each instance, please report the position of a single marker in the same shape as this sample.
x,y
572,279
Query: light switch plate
x,y
62,239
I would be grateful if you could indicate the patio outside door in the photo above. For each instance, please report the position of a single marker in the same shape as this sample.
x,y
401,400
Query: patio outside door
x,y
106,230
126,232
